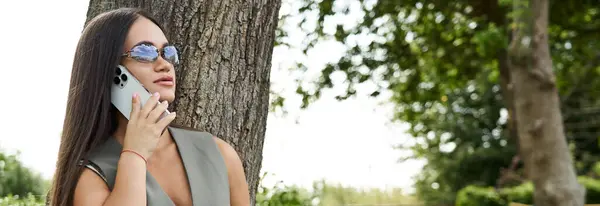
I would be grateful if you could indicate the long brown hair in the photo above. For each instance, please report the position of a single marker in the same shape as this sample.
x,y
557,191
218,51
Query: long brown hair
x,y
90,117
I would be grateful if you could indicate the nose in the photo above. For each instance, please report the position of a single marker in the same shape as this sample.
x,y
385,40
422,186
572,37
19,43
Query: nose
x,y
162,65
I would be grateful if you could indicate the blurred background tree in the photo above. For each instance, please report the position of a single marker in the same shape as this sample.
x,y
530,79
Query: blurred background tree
x,y
445,65
542,141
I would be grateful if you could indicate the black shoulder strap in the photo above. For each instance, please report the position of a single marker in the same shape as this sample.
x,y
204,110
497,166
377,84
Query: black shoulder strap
x,y
94,167
97,170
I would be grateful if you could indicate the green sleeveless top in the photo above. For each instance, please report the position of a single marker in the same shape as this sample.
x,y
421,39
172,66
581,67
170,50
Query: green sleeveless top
x,y
203,163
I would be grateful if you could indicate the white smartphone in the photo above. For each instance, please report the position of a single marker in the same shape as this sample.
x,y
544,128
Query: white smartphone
x,y
124,84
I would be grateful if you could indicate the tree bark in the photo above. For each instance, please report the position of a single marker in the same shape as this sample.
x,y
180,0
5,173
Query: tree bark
x,y
540,128
223,79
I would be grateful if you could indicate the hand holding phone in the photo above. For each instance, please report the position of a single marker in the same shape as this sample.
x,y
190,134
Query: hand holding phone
x,y
147,117
124,85
145,127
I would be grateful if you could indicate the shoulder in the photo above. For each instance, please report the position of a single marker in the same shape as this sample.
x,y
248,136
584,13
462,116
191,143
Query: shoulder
x,y
229,153
90,189
238,186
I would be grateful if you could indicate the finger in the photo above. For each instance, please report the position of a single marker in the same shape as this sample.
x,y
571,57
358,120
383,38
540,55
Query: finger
x,y
164,122
156,112
149,106
135,107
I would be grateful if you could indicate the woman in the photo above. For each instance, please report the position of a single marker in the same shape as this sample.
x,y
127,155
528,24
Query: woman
x,y
157,164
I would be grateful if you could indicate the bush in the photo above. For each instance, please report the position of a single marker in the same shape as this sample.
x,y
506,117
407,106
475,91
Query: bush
x,y
521,194
287,196
475,195
18,180
30,200
282,196
592,189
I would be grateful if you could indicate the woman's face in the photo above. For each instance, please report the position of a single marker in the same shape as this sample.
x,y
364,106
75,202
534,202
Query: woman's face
x,y
157,76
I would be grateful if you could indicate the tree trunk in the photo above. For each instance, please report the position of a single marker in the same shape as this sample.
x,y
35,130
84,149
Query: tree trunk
x,y
540,128
223,81
507,89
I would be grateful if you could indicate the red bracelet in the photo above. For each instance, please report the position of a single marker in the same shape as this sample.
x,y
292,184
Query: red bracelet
x,y
134,152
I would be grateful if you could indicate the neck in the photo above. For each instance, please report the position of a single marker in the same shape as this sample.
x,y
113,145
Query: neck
x,y
164,141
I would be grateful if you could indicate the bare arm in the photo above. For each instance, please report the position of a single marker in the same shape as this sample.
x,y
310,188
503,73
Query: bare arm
x,y
130,185
238,187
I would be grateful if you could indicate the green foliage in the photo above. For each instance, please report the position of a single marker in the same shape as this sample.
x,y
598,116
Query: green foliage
x,y
596,169
17,180
28,200
477,195
441,61
592,186
287,196
521,193
283,196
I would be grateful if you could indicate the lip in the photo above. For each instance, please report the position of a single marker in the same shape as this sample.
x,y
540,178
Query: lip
x,y
165,81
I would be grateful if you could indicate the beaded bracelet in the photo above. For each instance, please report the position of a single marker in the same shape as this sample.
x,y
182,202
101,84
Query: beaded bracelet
x,y
134,152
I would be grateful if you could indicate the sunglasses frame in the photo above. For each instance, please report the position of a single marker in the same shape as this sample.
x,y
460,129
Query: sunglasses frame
x,y
160,52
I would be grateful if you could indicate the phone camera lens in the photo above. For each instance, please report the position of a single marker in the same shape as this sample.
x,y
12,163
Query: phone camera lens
x,y
124,77
116,80
118,71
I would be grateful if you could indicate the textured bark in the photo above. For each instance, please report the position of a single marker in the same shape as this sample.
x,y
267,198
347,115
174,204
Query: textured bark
x,y
223,81
541,134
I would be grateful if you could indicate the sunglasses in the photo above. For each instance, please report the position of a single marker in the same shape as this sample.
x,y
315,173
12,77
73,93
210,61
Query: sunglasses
x,y
148,53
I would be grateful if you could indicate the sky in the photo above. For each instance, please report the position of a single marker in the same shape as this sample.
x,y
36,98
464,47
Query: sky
x,y
349,142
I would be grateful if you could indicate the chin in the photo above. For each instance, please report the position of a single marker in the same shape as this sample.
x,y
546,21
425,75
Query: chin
x,y
166,95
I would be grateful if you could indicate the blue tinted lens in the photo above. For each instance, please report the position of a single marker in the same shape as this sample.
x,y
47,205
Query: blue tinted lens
x,y
170,54
144,52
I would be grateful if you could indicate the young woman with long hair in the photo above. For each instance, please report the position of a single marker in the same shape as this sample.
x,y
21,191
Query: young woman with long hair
x,y
106,159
